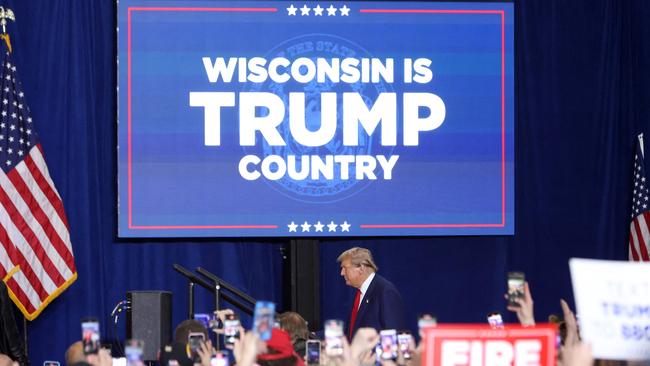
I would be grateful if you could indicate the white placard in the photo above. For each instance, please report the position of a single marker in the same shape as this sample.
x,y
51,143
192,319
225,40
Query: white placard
x,y
613,307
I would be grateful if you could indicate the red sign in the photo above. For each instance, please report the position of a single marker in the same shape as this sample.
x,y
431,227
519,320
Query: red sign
x,y
480,345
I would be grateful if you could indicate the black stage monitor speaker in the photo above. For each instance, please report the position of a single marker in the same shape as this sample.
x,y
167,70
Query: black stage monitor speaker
x,y
149,318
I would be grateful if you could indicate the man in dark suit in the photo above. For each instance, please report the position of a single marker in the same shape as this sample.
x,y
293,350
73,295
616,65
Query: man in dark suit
x,y
11,342
377,302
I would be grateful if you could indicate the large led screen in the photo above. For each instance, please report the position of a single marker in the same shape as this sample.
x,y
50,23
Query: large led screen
x,y
283,119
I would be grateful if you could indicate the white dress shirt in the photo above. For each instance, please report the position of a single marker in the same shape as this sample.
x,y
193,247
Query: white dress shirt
x,y
364,288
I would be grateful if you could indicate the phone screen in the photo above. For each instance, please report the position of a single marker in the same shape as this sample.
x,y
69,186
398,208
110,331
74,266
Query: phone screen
x,y
133,352
515,287
404,339
231,330
334,338
220,358
90,336
425,321
313,352
194,344
264,319
495,320
388,339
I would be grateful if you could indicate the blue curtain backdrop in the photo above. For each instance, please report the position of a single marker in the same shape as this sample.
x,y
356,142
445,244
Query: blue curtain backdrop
x,y
582,94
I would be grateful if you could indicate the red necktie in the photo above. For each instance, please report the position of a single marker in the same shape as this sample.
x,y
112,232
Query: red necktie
x,y
355,308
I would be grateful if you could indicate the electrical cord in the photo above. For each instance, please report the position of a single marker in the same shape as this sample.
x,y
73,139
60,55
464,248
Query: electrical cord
x,y
119,307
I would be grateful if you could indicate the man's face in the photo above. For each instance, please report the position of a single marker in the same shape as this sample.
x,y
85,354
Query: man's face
x,y
353,274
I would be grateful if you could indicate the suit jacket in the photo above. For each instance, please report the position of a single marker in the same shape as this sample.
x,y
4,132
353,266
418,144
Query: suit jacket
x,y
381,307
11,342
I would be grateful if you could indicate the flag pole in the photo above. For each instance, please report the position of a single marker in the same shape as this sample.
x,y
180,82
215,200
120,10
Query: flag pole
x,y
4,15
25,336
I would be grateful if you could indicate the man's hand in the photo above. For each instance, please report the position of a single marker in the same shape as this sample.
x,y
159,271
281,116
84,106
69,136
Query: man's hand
x,y
221,315
525,309
102,358
205,352
578,354
364,341
247,348
572,335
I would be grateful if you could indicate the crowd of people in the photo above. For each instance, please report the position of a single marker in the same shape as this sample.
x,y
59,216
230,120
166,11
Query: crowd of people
x,y
286,344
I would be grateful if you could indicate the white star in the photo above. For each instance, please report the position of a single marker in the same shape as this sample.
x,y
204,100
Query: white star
x,y
292,227
8,65
331,11
21,141
4,113
29,119
305,227
291,10
13,115
332,226
11,139
13,68
5,101
318,226
345,11
12,127
20,153
20,106
304,10
2,137
345,226
8,162
10,151
21,94
29,132
6,89
8,77
318,10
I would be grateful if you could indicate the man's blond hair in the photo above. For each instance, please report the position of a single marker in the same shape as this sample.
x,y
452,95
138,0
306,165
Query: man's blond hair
x,y
358,257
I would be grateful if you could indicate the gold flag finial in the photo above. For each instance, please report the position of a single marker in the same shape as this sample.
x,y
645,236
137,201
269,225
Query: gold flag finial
x,y
4,15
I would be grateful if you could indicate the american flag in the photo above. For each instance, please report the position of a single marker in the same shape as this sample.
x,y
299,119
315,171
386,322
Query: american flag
x,y
36,259
639,242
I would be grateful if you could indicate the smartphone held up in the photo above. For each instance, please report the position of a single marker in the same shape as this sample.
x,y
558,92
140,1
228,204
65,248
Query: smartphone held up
x,y
194,340
312,352
264,319
334,338
231,327
516,283
133,352
90,336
